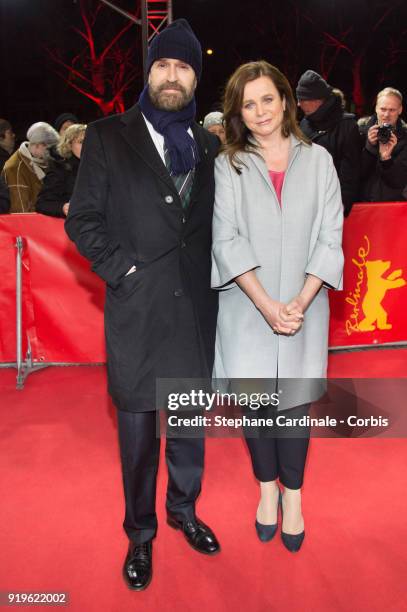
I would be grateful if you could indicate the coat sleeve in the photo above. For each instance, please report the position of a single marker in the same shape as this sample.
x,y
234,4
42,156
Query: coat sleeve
x,y
232,253
369,162
350,168
326,261
393,171
86,222
18,188
51,197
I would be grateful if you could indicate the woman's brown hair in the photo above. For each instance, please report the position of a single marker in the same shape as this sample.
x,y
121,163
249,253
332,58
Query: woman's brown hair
x,y
237,134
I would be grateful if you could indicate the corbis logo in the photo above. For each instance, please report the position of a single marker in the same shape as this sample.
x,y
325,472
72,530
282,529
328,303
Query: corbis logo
x,y
366,299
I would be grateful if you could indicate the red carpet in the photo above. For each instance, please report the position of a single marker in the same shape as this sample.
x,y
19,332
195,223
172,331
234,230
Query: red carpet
x,y
62,511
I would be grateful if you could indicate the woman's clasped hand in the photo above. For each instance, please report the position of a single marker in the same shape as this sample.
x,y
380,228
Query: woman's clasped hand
x,y
283,318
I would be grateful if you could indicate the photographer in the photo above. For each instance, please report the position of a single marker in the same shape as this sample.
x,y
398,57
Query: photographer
x,y
384,157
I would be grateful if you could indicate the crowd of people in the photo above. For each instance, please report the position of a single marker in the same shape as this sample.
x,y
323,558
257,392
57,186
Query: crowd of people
x,y
40,175
369,154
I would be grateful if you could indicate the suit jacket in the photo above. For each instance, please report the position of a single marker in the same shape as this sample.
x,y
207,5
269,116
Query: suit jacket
x,y
159,321
283,244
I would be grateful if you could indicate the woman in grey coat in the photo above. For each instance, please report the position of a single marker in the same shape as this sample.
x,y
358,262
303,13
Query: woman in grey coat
x,y
277,233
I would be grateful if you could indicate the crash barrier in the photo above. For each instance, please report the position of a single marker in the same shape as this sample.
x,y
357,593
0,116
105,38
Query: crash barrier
x,y
51,304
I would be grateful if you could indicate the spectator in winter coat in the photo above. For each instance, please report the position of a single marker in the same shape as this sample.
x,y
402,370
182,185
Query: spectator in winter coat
x,y
58,184
7,141
384,157
213,122
326,124
25,170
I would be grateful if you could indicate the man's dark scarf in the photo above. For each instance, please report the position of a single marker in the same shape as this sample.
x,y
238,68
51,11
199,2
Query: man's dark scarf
x,y
173,125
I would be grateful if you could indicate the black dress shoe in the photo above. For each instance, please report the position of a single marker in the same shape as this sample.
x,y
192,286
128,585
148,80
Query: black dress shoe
x,y
197,534
266,533
292,542
138,567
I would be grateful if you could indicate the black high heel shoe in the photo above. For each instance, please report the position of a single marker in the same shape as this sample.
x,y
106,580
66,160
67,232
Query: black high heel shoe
x,y
267,532
292,542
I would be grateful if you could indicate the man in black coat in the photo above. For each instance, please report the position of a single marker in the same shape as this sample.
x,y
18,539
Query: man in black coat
x,y
141,212
326,124
384,156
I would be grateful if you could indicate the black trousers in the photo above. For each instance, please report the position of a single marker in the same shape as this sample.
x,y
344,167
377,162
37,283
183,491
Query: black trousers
x,y
283,454
140,452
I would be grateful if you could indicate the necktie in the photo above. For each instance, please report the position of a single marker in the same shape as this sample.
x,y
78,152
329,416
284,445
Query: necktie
x,y
183,182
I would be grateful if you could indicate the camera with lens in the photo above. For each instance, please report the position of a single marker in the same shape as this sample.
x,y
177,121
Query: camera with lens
x,y
384,132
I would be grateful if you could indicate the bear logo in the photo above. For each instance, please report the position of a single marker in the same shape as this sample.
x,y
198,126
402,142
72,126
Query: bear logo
x,y
377,286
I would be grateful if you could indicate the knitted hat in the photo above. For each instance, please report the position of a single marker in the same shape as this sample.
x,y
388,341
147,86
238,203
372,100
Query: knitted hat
x,y
177,41
312,86
42,132
215,118
60,120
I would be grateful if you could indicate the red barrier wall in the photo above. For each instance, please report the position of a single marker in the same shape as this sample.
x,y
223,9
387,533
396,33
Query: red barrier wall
x,y
63,299
371,308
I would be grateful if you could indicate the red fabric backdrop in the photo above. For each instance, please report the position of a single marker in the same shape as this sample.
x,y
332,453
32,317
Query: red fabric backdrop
x,y
371,308
63,299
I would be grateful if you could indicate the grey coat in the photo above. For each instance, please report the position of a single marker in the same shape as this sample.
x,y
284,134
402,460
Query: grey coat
x,y
283,244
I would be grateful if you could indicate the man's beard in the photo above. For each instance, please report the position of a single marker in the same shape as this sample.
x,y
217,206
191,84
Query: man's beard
x,y
167,101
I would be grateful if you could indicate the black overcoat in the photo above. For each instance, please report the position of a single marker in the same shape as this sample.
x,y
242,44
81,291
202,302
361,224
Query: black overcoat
x,y
57,187
159,321
338,133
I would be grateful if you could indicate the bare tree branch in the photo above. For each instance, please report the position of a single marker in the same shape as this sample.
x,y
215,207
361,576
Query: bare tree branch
x,y
70,69
114,41
102,78
88,28
85,93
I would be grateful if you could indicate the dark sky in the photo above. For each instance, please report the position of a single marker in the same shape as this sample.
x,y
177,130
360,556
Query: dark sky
x,y
293,34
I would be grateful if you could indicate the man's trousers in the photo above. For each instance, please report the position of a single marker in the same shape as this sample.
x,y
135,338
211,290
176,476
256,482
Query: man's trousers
x,y
140,451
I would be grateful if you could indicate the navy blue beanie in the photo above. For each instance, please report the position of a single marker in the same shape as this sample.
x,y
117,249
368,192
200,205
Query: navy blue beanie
x,y
177,41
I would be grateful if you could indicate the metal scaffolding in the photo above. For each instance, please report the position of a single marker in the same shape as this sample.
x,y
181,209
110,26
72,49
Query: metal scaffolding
x,y
159,14
155,15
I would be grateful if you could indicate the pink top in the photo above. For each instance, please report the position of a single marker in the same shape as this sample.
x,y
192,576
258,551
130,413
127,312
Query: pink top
x,y
277,178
